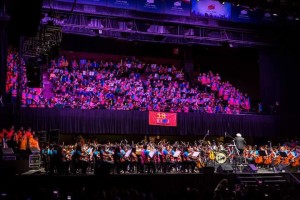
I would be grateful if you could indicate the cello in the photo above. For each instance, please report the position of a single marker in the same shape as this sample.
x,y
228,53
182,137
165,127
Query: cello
x,y
259,159
296,162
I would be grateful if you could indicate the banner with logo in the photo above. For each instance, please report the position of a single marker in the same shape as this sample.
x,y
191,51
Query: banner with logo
x,y
240,14
126,4
162,118
211,8
178,7
154,6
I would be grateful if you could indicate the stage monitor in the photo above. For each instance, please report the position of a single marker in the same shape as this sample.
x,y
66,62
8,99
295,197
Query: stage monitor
x,y
7,151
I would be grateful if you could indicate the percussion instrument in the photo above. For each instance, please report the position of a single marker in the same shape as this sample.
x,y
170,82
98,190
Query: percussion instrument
x,y
221,157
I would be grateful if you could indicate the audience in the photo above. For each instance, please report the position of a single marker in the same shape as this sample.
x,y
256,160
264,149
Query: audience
x,y
131,84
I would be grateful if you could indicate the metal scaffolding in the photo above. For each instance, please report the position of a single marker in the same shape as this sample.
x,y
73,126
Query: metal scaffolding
x,y
48,36
136,26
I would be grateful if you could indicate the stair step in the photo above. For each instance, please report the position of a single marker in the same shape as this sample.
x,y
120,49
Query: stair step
x,y
275,181
266,181
259,177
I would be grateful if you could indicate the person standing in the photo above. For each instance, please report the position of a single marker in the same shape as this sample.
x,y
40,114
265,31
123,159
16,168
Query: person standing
x,y
240,143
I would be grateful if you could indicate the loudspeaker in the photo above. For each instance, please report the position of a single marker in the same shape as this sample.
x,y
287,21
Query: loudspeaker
x,y
281,167
7,151
250,168
225,168
42,136
34,150
9,158
33,72
54,136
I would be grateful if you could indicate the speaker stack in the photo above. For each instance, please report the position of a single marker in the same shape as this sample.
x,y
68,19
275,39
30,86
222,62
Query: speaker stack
x,y
225,168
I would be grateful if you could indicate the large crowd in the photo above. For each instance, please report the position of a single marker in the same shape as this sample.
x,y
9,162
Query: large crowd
x,y
130,84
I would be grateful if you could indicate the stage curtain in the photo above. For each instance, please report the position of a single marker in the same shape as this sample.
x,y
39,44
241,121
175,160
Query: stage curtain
x,y
136,122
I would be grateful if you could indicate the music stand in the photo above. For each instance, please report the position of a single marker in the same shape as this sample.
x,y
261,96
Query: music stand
x,y
282,154
262,153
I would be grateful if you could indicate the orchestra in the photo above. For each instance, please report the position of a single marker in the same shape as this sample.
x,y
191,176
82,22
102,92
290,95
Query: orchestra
x,y
162,157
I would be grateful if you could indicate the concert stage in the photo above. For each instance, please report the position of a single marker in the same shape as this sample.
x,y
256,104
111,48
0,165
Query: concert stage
x,y
36,184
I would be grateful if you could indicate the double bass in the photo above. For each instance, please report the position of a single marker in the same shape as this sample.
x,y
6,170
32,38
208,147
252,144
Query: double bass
x,y
259,159
296,162
269,157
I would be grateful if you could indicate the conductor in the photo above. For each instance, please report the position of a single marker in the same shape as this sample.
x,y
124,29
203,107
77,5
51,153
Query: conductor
x,y
240,143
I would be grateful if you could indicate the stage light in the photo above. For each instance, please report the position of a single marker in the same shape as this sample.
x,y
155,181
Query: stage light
x,y
297,18
3,194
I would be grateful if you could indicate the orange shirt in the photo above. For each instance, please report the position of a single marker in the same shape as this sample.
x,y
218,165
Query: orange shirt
x,y
23,145
33,143
28,134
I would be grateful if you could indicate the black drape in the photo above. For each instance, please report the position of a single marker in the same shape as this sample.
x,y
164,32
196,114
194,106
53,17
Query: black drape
x,y
3,53
136,122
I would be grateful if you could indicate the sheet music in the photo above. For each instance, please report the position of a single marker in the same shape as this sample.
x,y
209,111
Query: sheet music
x,y
176,154
127,154
151,154
195,154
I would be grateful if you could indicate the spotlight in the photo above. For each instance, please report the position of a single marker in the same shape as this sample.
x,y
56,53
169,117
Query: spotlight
x,y
3,194
56,194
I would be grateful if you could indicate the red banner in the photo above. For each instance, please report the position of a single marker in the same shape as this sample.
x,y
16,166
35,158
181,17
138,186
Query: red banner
x,y
162,118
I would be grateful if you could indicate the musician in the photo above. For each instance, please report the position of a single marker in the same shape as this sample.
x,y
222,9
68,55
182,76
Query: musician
x,y
65,161
77,162
133,160
248,154
117,160
240,143
52,153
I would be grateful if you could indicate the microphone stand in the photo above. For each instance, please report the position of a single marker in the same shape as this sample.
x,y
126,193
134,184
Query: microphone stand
x,y
238,156
236,150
